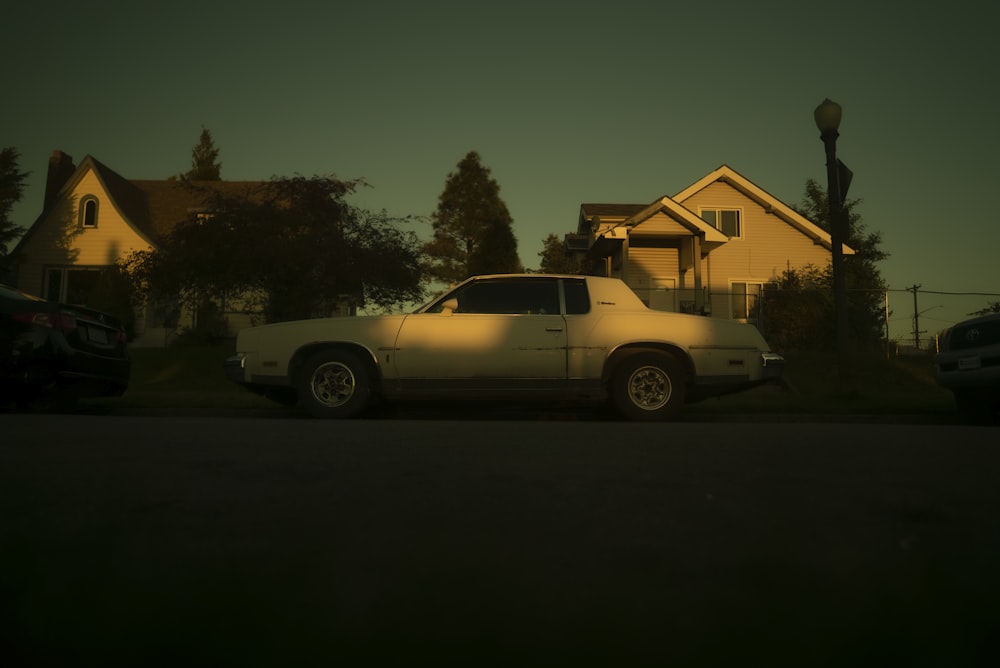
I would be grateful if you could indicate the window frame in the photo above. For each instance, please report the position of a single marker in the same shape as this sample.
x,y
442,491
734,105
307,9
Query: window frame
x,y
718,210
89,212
748,308
555,301
513,296
56,287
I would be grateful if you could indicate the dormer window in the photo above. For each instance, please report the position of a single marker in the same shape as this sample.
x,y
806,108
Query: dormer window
x,y
88,212
727,221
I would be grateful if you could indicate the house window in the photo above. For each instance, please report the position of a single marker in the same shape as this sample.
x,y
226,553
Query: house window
x,y
75,285
88,212
744,296
727,221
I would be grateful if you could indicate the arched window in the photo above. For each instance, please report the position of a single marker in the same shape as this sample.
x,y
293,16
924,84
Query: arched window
x,y
88,212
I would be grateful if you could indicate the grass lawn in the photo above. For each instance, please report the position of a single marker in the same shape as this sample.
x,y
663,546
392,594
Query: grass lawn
x,y
900,386
191,377
184,377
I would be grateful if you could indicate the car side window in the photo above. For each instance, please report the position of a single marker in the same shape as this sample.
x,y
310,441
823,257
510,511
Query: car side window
x,y
577,297
510,297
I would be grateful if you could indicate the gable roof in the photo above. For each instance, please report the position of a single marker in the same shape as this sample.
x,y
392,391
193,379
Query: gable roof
x,y
605,212
771,204
682,215
151,207
167,203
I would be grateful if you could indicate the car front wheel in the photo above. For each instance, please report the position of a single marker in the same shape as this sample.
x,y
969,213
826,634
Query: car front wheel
x,y
334,384
648,387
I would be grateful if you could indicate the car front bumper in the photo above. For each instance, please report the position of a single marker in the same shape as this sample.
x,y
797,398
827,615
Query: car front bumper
x,y
235,368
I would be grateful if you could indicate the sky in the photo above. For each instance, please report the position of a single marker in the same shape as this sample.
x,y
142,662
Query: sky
x,y
566,102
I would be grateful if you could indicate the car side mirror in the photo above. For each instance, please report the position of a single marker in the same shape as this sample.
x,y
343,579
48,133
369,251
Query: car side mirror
x,y
449,306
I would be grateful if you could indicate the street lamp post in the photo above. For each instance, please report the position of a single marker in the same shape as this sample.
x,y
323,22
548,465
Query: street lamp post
x,y
827,116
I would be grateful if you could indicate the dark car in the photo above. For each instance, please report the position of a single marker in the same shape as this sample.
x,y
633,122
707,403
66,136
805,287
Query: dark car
x,y
51,352
968,364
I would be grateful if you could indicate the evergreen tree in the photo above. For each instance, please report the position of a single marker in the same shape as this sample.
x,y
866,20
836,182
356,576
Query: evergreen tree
x,y
555,260
203,160
11,191
496,251
472,226
992,307
798,311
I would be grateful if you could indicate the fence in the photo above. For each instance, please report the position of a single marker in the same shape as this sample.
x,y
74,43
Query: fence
x,y
914,317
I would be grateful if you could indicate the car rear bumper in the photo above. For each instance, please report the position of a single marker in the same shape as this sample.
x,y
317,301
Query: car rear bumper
x,y
773,366
969,369
82,379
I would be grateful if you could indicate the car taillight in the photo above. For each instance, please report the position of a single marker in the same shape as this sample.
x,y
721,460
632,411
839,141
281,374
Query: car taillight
x,y
50,320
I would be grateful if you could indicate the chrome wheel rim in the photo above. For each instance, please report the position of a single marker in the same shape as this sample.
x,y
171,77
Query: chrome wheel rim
x,y
333,384
649,388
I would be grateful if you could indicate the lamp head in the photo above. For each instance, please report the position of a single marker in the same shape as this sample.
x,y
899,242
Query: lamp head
x,y
827,116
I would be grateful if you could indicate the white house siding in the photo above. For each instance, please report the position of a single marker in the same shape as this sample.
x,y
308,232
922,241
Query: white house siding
x,y
660,224
60,241
645,264
769,246
653,254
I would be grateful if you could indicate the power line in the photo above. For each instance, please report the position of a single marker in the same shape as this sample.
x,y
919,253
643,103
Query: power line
x,y
938,292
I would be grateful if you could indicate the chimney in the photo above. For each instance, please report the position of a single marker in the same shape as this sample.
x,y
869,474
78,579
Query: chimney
x,y
61,167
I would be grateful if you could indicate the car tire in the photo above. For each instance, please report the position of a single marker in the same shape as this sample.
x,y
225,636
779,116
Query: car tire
x,y
334,384
648,387
978,407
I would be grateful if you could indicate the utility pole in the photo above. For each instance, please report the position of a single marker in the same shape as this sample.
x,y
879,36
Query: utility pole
x,y
887,355
916,317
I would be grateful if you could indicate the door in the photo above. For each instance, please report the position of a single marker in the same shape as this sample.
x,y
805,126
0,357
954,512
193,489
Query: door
x,y
506,329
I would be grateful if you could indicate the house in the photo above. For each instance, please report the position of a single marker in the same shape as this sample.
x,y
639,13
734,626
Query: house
x,y
91,218
710,249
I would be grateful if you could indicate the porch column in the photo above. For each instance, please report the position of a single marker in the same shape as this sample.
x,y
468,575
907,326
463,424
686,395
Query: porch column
x,y
699,296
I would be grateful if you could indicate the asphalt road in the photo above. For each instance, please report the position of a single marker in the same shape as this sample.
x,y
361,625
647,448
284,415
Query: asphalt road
x,y
204,541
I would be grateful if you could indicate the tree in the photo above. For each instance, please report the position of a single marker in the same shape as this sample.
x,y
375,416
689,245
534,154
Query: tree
x,y
496,251
555,260
796,313
472,226
203,160
991,307
291,248
11,191
798,310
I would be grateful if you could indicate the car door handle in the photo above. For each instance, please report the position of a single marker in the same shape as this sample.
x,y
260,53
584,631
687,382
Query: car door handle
x,y
553,329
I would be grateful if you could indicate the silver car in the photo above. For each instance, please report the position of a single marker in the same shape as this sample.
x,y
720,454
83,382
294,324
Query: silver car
x,y
968,364
508,337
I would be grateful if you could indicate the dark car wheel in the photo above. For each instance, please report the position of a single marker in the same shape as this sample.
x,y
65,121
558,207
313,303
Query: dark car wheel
x,y
334,384
978,407
648,386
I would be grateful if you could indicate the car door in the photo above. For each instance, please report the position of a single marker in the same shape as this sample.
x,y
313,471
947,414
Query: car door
x,y
508,330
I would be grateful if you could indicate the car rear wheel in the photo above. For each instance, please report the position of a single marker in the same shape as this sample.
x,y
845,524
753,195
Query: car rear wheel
x,y
648,386
978,407
334,384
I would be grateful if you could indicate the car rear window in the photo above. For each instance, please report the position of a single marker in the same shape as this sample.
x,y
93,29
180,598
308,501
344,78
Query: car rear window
x,y
577,297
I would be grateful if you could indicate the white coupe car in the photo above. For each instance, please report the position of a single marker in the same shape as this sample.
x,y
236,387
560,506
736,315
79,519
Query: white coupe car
x,y
507,337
